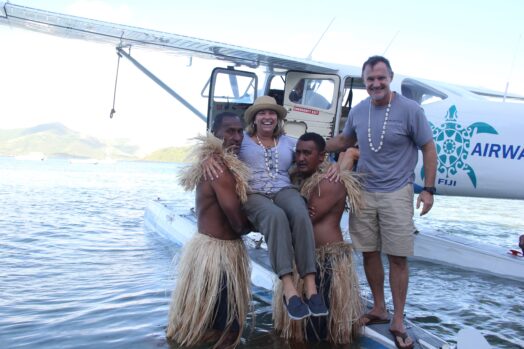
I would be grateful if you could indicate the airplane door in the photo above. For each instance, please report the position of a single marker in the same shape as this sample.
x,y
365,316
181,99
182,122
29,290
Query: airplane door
x,y
230,90
311,101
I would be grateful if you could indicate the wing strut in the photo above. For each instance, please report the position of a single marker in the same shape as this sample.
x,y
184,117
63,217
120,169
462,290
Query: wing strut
x,y
113,111
162,84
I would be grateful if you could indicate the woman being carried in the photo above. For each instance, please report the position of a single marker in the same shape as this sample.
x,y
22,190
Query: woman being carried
x,y
276,209
275,206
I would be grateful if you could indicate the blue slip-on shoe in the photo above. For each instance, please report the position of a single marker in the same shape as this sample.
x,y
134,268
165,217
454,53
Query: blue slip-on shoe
x,y
316,305
296,309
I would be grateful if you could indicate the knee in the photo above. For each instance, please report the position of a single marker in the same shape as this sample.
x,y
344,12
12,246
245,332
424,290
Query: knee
x,y
273,220
268,212
398,261
299,208
299,215
276,215
371,255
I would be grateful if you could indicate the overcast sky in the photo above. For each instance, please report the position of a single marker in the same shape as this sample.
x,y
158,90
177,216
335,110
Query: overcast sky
x,y
49,79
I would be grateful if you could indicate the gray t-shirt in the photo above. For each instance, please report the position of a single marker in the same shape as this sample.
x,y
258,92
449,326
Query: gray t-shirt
x,y
253,155
407,130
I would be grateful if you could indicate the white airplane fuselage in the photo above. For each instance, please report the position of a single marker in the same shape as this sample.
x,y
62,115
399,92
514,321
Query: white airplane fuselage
x,y
480,148
479,142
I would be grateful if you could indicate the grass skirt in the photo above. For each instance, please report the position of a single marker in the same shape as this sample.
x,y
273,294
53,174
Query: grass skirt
x,y
204,264
337,281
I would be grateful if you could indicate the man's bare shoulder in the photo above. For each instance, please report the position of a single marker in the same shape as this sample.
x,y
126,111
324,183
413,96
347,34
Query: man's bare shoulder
x,y
222,187
328,192
330,187
225,178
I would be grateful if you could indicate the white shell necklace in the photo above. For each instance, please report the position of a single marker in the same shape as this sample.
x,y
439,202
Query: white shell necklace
x,y
376,150
267,154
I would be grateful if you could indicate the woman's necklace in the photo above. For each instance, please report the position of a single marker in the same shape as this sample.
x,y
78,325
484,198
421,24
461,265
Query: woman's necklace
x,y
376,150
267,153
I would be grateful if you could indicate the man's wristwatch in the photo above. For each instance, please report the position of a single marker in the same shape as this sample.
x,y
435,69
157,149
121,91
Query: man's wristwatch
x,y
431,190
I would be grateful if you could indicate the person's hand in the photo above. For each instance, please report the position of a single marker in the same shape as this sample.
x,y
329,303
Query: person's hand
x,y
427,200
312,211
333,173
212,168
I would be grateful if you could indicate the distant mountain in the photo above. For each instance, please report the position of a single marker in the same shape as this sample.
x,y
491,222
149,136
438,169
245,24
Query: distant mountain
x,y
173,154
56,128
56,140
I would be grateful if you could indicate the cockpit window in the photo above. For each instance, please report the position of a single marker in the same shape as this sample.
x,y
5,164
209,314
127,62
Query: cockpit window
x,y
420,92
316,93
234,88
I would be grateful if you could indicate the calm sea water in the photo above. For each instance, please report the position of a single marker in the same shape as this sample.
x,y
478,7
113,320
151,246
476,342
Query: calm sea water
x,y
78,270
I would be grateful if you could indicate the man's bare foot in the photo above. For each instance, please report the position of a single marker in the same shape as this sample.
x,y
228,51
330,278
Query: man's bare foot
x,y
370,319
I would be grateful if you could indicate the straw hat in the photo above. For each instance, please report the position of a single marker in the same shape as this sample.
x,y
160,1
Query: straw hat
x,y
262,103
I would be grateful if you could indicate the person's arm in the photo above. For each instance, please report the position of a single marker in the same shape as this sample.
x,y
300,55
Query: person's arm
x,y
339,142
347,159
225,190
429,158
322,205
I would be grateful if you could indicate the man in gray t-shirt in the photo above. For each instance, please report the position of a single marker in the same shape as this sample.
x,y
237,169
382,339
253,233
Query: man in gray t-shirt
x,y
390,129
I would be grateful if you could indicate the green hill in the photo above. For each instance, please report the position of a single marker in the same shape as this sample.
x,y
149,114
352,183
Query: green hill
x,y
173,154
56,140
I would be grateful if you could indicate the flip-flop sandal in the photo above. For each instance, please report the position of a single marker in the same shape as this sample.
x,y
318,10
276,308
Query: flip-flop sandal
x,y
404,336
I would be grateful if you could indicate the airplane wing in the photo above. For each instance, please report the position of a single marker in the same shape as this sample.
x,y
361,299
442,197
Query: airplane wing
x,y
492,93
124,36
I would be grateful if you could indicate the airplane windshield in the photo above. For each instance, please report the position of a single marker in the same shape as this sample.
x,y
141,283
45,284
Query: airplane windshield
x,y
317,93
420,92
234,88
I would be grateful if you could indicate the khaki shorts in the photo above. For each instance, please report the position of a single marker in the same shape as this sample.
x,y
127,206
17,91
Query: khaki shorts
x,y
385,223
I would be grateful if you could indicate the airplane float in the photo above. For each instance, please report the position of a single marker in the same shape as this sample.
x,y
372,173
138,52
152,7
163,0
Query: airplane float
x,y
477,132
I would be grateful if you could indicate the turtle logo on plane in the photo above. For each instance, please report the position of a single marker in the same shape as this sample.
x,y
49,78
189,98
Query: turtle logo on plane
x,y
453,142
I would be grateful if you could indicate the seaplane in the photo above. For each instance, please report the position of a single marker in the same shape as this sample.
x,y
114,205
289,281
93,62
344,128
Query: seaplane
x,y
477,132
